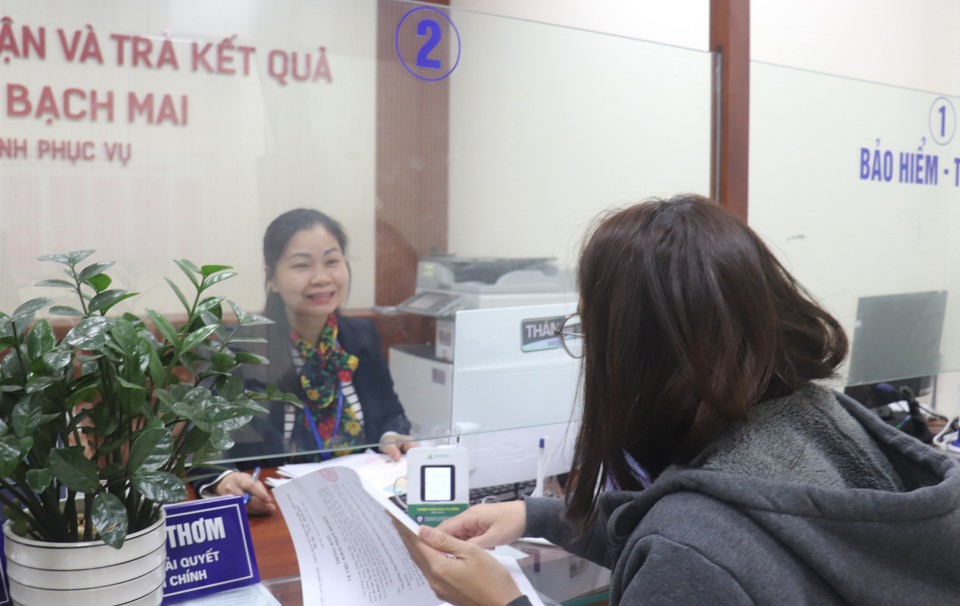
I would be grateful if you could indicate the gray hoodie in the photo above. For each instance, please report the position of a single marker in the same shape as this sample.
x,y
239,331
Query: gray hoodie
x,y
813,501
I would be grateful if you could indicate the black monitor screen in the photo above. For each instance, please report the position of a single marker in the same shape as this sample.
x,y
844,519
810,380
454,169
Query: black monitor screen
x,y
897,336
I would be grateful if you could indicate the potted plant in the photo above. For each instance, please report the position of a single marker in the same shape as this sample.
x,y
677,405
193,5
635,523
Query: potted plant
x,y
98,427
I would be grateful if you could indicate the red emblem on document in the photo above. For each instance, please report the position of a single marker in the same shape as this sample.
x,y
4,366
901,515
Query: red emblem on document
x,y
329,474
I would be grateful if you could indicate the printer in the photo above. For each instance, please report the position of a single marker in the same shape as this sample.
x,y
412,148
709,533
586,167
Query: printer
x,y
447,284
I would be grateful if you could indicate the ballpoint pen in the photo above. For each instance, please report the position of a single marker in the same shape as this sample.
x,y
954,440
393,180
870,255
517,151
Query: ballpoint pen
x,y
541,468
256,477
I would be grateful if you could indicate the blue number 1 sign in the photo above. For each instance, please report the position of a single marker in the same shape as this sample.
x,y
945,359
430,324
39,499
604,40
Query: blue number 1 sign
x,y
418,40
943,120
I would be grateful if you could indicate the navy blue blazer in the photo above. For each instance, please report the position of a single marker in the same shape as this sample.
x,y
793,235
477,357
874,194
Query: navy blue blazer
x,y
382,410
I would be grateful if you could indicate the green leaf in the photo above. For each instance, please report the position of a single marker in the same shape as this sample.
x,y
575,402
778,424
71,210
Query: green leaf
x,y
189,269
32,306
26,417
217,278
108,298
208,270
125,336
234,423
110,519
65,310
245,339
210,303
238,311
35,384
22,323
58,258
157,369
75,256
113,471
220,440
222,361
94,270
209,317
151,450
74,470
197,337
41,340
163,325
245,357
232,387
90,333
10,455
130,385
205,453
100,282
256,319
180,295
83,393
56,283
58,359
5,324
160,487
275,394
39,479
196,440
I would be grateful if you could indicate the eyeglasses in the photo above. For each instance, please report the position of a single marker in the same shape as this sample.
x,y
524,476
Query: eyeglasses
x,y
571,335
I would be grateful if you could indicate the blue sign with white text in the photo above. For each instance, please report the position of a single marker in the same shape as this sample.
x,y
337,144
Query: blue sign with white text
x,y
4,585
209,548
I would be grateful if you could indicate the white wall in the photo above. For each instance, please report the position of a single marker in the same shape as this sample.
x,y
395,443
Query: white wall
x,y
843,236
678,22
205,191
550,125
898,42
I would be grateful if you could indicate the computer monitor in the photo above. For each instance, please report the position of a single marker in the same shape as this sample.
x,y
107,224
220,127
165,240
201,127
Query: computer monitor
x,y
513,384
897,337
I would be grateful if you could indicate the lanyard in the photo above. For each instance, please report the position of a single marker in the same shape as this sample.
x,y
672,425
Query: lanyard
x,y
316,431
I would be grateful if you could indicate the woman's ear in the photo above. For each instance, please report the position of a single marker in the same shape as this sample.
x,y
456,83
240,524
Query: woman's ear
x,y
268,280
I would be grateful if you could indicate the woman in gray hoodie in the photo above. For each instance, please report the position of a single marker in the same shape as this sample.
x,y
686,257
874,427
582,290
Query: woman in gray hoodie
x,y
702,357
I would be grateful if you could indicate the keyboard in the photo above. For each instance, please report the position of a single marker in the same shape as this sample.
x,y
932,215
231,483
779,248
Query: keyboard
x,y
502,492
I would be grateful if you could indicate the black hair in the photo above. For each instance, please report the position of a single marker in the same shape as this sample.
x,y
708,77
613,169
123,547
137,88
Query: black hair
x,y
688,321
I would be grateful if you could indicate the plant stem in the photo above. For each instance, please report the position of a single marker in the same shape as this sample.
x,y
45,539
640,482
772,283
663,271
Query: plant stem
x,y
16,349
70,515
16,504
88,517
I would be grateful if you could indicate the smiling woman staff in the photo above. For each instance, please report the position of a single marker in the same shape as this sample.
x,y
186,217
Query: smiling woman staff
x,y
333,362
701,360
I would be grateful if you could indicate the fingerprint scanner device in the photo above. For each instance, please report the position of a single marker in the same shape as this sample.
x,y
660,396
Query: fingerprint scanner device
x,y
437,483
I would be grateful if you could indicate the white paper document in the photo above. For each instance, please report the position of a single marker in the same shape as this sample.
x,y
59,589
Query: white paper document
x,y
348,550
376,469
251,595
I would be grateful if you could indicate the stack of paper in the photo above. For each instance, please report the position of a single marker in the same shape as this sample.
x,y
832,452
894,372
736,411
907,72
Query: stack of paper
x,y
348,550
377,471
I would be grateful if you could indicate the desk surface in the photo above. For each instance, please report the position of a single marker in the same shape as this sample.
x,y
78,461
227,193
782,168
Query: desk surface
x,y
554,573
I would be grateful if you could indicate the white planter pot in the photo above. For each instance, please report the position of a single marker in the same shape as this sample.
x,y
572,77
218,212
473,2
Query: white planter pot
x,y
88,574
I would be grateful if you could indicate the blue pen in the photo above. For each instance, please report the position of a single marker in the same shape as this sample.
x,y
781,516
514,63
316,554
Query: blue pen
x,y
256,477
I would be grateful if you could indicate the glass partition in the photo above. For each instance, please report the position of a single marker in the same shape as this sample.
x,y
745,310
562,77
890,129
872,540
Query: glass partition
x,y
179,130
855,185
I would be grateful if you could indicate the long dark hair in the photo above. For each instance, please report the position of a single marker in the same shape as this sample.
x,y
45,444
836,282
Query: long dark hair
x,y
275,241
688,321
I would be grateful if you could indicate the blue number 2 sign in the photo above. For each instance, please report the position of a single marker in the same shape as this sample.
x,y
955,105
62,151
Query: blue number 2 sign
x,y
418,40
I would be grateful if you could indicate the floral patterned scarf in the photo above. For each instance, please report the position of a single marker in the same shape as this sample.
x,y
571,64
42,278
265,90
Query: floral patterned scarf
x,y
326,366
